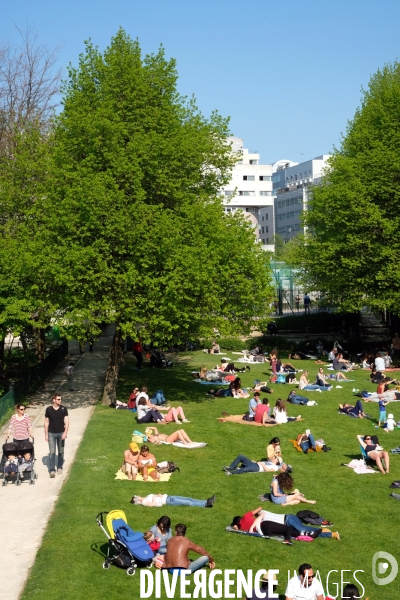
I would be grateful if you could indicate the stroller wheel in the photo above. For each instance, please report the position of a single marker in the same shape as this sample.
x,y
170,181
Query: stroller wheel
x,y
130,571
106,566
36,476
32,482
18,482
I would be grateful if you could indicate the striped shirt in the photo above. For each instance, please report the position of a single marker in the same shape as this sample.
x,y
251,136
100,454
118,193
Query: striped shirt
x,y
20,427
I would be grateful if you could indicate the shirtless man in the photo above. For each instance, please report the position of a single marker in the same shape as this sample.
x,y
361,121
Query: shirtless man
x,y
147,464
131,461
178,548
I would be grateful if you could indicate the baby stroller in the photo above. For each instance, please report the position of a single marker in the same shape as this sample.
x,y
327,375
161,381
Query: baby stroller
x,y
158,360
18,450
126,548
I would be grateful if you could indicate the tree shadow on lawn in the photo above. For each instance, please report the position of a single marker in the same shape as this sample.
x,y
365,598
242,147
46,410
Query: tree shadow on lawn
x,y
177,383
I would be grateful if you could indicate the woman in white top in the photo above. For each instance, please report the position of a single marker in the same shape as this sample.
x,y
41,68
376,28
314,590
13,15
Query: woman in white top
x,y
280,414
158,500
146,414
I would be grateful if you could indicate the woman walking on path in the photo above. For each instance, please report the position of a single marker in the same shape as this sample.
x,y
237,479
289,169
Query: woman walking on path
x,y
20,426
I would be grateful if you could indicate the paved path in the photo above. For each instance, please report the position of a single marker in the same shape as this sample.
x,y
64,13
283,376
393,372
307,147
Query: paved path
x,y
25,509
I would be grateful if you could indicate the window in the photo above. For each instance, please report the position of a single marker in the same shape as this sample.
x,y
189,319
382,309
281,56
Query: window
x,y
265,193
248,177
287,202
266,217
262,218
267,240
262,229
228,193
265,178
246,193
266,229
253,161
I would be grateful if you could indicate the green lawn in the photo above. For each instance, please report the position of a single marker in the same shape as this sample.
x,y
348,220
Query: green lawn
x,y
69,563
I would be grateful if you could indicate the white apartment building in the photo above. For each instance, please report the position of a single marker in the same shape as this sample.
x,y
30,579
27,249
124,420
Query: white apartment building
x,y
250,190
291,186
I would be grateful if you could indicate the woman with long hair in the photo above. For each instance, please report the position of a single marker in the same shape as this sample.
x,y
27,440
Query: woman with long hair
x,y
280,413
154,437
376,452
281,487
162,530
20,425
304,384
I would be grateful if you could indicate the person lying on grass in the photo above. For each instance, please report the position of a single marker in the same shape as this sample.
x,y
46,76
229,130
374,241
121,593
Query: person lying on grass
x,y
147,464
375,452
177,436
158,500
350,409
252,520
280,486
252,466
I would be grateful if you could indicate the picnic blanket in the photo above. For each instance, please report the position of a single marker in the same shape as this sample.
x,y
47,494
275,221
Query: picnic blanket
x,y
120,475
274,537
187,446
239,419
299,449
218,382
358,465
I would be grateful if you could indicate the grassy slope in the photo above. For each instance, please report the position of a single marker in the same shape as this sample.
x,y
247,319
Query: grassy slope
x,y
69,562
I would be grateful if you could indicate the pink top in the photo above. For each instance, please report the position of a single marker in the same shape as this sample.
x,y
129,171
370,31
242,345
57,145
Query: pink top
x,y
20,427
260,410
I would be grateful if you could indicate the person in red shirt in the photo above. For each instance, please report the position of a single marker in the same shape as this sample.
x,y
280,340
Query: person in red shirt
x,y
132,398
138,353
262,413
244,523
153,542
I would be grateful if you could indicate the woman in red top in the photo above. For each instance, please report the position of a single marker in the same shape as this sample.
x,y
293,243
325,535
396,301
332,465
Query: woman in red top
x,y
20,425
138,353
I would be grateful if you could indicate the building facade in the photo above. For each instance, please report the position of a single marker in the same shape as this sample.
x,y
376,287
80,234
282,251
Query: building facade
x,y
292,183
250,190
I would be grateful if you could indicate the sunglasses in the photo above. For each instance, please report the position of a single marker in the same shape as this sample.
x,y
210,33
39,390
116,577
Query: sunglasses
x,y
21,408
308,576
367,438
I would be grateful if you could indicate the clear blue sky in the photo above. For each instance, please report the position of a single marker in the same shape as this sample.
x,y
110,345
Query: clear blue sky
x,y
287,72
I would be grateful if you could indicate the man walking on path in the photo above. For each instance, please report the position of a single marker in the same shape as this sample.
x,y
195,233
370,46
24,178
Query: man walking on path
x,y
69,371
56,424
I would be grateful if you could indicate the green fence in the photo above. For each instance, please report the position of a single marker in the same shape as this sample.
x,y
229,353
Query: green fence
x,y
6,402
36,374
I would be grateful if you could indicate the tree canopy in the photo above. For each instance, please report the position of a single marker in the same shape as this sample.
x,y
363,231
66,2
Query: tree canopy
x,y
351,247
122,218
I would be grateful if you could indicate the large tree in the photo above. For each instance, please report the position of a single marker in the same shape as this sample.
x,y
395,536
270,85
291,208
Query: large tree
x,y
132,219
352,246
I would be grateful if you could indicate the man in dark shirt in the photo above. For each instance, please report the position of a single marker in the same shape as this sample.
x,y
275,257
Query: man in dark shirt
x,y
56,424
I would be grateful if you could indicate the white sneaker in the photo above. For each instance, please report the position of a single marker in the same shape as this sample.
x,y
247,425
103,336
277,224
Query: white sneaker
x,y
178,422
320,391
339,387
185,421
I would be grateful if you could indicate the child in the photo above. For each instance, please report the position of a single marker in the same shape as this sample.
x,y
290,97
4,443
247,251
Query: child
x,y
11,465
153,542
382,410
390,423
25,463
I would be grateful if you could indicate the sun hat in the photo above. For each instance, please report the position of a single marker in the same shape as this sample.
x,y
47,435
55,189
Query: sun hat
x,y
134,447
390,416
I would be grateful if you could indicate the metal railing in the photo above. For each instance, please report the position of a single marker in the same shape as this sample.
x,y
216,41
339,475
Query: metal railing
x,y
37,374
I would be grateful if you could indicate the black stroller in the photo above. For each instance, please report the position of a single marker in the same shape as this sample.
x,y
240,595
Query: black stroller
x,y
13,472
158,360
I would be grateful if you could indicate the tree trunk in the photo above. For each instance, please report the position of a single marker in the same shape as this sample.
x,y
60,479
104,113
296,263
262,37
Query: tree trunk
x,y
24,343
110,386
2,358
40,343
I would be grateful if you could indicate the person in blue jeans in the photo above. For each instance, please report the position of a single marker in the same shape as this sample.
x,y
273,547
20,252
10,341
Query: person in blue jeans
x,y
158,500
306,441
177,556
304,384
56,424
295,398
252,466
158,398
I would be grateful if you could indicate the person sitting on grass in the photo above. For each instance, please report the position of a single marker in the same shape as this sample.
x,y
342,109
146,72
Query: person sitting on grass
x,y
147,464
154,437
340,364
178,548
237,391
375,452
350,409
281,487
130,465
304,384
162,530
262,414
253,466
280,413
254,402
